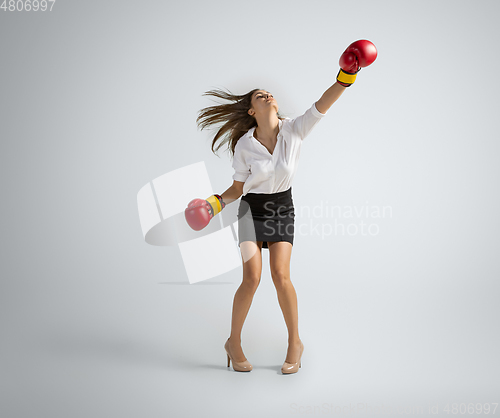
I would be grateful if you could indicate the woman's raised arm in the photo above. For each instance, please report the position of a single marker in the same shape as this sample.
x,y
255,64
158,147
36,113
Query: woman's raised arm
x,y
329,97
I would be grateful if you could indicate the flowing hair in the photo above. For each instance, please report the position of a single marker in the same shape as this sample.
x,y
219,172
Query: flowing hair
x,y
234,117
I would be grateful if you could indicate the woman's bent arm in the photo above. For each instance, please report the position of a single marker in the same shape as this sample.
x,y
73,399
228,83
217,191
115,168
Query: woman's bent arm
x,y
233,193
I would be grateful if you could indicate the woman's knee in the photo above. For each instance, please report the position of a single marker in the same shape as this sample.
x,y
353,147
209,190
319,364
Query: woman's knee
x,y
251,281
280,277
251,275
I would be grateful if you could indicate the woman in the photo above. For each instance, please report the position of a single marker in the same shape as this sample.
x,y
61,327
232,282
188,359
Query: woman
x,y
266,148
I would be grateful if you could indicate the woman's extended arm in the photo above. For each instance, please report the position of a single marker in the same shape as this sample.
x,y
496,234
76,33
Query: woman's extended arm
x,y
329,97
233,193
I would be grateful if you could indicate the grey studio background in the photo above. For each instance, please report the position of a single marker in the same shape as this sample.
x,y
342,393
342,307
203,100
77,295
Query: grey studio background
x,y
99,98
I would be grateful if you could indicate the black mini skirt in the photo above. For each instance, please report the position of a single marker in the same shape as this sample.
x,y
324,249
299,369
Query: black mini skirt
x,y
266,217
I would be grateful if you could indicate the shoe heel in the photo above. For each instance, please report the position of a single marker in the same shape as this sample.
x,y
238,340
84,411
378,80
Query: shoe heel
x,y
243,366
288,368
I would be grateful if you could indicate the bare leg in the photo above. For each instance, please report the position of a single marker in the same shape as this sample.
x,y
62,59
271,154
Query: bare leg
x,y
252,269
279,256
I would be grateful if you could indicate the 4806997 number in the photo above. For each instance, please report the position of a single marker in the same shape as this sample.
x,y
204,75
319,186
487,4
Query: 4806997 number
x,y
470,408
27,5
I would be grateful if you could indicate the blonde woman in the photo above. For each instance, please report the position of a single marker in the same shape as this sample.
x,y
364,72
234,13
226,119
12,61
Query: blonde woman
x,y
266,148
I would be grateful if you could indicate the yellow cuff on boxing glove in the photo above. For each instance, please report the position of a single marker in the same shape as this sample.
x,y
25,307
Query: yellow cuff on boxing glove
x,y
215,203
346,78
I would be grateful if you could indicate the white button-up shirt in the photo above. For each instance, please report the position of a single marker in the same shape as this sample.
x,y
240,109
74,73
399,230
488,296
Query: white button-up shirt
x,y
263,172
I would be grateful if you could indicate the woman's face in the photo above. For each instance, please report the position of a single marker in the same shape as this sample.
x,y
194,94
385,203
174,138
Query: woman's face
x,y
263,102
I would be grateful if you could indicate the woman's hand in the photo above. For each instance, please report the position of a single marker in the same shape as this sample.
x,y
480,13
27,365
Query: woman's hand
x,y
358,55
199,212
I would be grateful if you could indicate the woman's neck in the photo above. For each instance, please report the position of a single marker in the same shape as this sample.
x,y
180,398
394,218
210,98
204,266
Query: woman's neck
x,y
267,129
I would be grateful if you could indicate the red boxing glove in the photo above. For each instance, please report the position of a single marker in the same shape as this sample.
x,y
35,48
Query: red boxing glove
x,y
358,55
199,211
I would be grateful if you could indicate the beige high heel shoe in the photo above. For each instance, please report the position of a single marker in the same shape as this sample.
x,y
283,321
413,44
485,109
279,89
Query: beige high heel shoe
x,y
242,366
288,368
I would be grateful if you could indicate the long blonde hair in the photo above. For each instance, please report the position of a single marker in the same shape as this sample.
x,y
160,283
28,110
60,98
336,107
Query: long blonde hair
x,y
234,116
